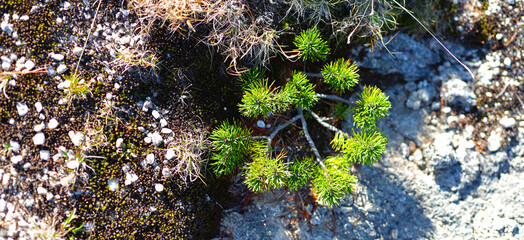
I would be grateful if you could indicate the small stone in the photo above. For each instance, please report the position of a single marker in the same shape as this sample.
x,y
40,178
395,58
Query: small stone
x,y
53,123
150,158
38,106
156,139
22,109
130,178
119,142
166,130
24,18
6,66
77,138
147,140
66,6
57,57
507,122
117,86
77,50
163,122
155,114
159,187
14,146
16,159
166,172
3,205
170,154
39,127
261,124
507,61
45,154
11,121
5,179
73,164
109,96
29,65
39,139
41,191
112,184
62,68
147,105
50,71
41,116
494,142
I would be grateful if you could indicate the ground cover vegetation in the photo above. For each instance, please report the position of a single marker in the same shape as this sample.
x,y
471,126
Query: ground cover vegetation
x,y
99,138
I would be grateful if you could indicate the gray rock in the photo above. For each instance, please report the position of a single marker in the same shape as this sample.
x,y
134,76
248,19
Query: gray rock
x,y
457,94
413,59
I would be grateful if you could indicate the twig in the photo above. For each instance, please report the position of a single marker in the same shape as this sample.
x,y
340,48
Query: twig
x,y
88,35
313,74
310,140
436,39
326,125
335,98
278,129
503,90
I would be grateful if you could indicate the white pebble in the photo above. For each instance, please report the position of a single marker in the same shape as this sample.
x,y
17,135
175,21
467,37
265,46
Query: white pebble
x,y
64,84
5,179
22,109
163,122
166,172
6,66
14,146
130,178
38,106
119,142
39,127
112,184
39,139
170,154
155,114
26,166
41,191
57,57
159,187
29,64
109,96
494,142
166,130
156,139
507,61
41,116
62,68
53,123
150,158
3,205
117,86
24,18
16,159
77,138
507,122
45,154
11,121
73,164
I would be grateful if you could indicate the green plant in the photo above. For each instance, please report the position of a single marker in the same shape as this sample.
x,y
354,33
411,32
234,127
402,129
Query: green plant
x,y
269,167
75,88
311,46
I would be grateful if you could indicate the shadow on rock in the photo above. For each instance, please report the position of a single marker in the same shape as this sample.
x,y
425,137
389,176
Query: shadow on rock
x,y
391,212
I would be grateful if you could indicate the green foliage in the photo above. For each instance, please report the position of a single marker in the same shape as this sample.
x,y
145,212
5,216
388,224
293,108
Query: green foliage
x,y
330,177
331,184
259,99
311,46
366,146
372,106
250,76
265,173
301,91
341,75
300,172
231,145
